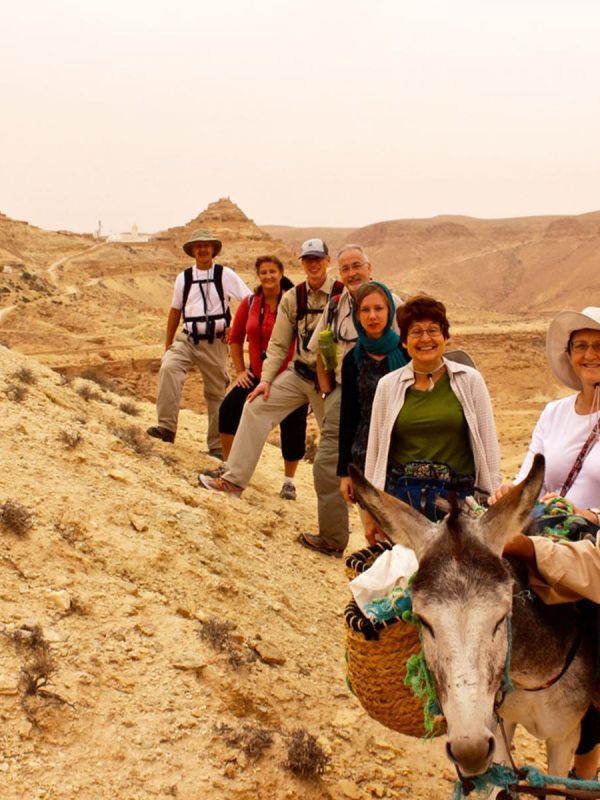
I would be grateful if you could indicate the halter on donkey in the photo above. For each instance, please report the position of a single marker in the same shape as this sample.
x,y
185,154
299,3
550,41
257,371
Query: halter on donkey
x,y
467,599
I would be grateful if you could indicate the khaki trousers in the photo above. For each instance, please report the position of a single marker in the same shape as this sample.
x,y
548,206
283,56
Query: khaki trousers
x,y
211,360
287,392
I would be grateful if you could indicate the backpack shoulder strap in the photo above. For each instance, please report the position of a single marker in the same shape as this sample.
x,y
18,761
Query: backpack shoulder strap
x,y
301,301
336,289
218,281
187,285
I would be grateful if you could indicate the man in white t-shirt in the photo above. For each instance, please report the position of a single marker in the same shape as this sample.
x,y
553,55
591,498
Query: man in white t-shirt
x,y
201,296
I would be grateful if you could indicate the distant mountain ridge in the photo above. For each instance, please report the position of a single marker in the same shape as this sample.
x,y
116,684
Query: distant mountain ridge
x,y
535,264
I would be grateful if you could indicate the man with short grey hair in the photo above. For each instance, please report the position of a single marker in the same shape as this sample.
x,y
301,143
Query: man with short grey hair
x,y
355,270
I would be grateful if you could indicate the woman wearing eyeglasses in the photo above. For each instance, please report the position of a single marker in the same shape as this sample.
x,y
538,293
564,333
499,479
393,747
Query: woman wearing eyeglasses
x,y
566,425
568,435
432,428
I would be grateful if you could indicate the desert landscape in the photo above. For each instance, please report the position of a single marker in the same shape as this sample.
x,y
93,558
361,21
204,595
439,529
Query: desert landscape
x,y
161,641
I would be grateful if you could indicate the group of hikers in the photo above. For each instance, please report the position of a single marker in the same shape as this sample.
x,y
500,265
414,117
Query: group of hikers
x,y
389,396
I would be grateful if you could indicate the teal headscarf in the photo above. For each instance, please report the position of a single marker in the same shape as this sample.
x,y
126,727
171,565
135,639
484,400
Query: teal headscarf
x,y
388,344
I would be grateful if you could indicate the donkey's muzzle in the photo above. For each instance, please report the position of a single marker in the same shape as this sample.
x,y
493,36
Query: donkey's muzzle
x,y
472,755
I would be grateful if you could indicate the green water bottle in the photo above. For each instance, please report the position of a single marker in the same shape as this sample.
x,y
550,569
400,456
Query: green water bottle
x,y
328,348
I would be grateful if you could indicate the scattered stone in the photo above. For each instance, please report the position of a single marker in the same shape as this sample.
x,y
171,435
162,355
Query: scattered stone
x,y
137,523
52,636
190,665
230,771
24,728
184,612
345,718
349,789
269,654
118,475
376,789
60,598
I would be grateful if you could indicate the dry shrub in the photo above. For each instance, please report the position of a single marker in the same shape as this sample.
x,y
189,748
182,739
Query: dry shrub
x,y
64,379
25,375
217,634
101,380
133,437
37,670
86,393
70,439
305,756
15,392
251,739
71,532
127,407
15,517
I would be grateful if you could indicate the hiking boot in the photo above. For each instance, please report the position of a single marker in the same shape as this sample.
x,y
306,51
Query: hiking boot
x,y
288,491
218,472
220,485
318,544
161,433
216,453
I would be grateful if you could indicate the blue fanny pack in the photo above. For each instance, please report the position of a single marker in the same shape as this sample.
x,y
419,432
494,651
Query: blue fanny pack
x,y
420,483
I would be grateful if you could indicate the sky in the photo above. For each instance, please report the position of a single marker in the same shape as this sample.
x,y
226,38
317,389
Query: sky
x,y
320,112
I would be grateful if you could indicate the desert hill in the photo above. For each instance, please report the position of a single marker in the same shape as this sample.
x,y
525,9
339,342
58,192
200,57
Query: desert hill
x,y
242,239
528,264
104,304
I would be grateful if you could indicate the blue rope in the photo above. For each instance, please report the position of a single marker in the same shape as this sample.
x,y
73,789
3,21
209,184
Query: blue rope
x,y
500,776
507,684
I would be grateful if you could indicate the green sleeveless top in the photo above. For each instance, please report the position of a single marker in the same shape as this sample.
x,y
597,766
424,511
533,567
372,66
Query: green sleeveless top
x,y
431,426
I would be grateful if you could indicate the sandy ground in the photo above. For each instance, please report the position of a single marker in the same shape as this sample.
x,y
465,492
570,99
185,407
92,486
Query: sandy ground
x,y
126,562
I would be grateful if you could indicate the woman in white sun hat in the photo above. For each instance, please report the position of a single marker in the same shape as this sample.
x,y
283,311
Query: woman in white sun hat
x,y
568,435
566,425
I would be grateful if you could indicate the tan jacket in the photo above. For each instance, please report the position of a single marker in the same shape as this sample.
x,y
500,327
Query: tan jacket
x,y
287,328
568,571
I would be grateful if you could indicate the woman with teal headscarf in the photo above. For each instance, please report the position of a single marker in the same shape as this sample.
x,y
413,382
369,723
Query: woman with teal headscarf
x,y
377,352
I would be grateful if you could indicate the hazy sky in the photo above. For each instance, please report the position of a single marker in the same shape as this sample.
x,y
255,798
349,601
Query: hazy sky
x,y
319,112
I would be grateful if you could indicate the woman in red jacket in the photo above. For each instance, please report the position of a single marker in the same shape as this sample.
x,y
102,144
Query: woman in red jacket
x,y
254,322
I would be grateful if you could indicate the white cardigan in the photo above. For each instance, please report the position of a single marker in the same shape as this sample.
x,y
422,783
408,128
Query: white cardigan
x,y
471,391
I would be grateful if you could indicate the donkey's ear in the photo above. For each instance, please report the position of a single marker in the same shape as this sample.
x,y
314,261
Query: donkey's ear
x,y
510,514
399,521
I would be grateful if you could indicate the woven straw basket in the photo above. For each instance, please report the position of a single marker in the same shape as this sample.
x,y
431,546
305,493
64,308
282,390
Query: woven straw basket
x,y
376,667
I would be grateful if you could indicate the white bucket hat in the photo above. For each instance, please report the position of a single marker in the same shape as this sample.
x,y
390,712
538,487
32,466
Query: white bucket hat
x,y
557,339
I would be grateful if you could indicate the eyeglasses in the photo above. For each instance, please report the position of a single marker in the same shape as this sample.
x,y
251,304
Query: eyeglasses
x,y
358,265
432,332
582,347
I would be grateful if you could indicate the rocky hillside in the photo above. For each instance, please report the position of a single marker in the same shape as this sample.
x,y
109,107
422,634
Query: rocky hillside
x,y
162,641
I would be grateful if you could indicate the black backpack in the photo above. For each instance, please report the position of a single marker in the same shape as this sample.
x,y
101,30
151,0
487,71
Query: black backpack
x,y
209,319
303,309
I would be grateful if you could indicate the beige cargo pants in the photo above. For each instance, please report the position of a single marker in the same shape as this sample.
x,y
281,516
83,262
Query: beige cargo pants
x,y
211,360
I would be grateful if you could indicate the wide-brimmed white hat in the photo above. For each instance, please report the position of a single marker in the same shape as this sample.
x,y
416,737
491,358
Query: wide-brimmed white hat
x,y
559,333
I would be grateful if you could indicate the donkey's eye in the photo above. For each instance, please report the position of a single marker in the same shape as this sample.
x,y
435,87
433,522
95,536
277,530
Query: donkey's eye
x,y
427,627
499,625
